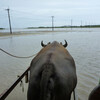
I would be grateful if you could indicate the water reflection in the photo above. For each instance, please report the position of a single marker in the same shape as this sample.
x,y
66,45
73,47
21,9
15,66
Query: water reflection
x,y
83,46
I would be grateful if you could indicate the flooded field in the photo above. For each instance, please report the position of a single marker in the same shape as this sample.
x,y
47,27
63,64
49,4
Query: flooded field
x,y
83,45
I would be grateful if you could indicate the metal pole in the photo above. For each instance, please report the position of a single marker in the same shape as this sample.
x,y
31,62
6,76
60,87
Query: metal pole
x,y
2,97
9,20
81,23
75,96
52,23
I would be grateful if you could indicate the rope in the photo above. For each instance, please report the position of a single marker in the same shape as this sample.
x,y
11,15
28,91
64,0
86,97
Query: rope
x,y
16,56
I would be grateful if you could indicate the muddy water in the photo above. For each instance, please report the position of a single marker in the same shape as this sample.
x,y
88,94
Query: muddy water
x,y
83,44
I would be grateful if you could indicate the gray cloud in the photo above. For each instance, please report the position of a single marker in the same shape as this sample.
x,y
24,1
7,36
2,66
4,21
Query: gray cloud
x,y
39,12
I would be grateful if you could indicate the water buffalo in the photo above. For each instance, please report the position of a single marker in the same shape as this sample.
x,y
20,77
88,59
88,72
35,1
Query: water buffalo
x,y
52,73
95,94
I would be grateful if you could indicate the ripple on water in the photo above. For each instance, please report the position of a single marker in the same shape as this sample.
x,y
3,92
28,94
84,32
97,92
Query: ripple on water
x,y
84,47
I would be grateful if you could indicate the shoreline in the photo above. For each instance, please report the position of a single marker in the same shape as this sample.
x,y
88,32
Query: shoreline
x,y
36,32
6,34
13,34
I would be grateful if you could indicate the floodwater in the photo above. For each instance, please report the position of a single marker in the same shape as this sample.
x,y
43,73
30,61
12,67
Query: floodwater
x,y
83,45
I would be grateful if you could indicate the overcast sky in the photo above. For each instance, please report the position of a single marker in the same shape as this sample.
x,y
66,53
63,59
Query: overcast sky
x,y
31,13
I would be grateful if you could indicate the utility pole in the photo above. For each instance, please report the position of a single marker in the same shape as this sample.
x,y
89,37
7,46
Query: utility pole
x,y
9,20
52,23
71,23
81,23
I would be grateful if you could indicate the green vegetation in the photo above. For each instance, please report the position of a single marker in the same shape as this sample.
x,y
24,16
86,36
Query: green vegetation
x,y
1,28
31,27
92,26
84,26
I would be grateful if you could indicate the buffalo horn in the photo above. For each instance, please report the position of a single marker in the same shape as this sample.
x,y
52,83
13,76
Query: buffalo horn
x,y
65,45
42,44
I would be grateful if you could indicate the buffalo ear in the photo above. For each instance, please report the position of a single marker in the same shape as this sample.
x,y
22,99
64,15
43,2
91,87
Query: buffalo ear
x,y
61,43
49,43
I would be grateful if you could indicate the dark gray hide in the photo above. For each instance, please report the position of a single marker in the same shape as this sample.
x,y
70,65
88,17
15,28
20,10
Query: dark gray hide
x,y
95,93
52,74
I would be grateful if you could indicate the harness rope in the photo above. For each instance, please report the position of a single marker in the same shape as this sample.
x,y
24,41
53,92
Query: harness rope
x,y
15,55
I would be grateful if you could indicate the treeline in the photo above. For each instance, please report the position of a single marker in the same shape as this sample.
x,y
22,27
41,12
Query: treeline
x,y
2,28
84,26
92,26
